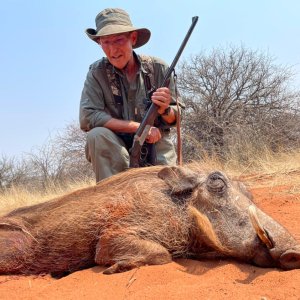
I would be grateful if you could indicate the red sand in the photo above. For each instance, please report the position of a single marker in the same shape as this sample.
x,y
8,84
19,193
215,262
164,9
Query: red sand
x,y
181,279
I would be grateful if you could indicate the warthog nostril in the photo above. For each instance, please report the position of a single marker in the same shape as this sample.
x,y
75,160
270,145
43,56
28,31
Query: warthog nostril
x,y
290,259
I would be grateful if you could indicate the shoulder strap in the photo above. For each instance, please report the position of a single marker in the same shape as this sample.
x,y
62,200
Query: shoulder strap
x,y
147,64
112,77
114,82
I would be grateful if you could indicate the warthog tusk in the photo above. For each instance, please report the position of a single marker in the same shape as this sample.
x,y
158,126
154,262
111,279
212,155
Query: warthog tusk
x,y
207,231
261,232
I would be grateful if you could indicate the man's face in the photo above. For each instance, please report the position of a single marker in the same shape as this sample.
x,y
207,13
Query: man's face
x,y
118,48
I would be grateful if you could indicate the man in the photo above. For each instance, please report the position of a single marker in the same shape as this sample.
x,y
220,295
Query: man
x,y
113,98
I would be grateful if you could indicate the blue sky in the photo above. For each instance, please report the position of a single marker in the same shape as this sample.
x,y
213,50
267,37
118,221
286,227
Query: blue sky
x,y
45,53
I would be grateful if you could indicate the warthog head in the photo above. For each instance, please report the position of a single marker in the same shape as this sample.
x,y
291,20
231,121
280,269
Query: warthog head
x,y
229,222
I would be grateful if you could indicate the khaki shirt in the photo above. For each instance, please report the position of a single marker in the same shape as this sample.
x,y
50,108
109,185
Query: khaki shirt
x,y
98,104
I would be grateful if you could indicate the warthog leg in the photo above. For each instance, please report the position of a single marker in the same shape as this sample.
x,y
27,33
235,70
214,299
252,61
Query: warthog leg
x,y
125,252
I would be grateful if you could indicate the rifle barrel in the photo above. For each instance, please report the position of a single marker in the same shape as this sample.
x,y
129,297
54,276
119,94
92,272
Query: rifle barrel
x,y
152,111
179,52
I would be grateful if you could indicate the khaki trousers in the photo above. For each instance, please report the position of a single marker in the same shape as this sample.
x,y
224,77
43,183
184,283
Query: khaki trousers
x,y
109,156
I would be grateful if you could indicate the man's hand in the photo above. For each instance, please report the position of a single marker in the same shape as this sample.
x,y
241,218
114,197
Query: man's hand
x,y
162,98
153,136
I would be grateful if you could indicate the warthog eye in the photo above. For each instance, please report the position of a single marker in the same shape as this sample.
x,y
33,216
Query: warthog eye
x,y
216,183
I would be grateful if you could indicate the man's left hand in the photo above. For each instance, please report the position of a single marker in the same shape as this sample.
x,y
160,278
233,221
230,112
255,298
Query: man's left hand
x,y
162,98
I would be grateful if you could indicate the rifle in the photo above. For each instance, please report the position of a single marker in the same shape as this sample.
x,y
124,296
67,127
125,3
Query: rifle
x,y
148,120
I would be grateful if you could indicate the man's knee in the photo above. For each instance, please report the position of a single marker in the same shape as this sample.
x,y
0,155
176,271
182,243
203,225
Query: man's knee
x,y
106,151
99,133
98,139
102,141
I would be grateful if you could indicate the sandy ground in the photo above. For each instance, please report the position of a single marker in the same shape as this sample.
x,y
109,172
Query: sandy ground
x,y
181,279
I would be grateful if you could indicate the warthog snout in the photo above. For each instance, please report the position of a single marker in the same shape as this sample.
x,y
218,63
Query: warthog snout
x,y
290,259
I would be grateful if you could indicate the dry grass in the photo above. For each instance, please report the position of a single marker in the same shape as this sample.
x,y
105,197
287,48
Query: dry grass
x,y
256,166
258,169
269,169
18,196
265,169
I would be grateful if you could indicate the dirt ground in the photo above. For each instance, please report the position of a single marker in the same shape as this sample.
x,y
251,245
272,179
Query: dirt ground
x,y
181,279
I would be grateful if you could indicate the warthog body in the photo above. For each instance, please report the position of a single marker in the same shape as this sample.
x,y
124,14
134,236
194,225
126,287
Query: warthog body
x,y
144,216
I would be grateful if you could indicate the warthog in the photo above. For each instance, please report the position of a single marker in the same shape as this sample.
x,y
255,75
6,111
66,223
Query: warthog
x,y
144,216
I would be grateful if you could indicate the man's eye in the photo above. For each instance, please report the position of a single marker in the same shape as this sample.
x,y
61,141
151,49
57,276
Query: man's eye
x,y
120,41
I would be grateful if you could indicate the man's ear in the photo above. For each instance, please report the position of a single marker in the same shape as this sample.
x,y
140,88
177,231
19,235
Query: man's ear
x,y
180,180
133,37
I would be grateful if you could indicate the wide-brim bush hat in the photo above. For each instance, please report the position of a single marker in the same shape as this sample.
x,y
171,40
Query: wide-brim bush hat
x,y
114,21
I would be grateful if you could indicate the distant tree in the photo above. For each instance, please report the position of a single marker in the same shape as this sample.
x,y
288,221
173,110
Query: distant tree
x,y
61,159
47,165
234,95
58,162
71,143
12,172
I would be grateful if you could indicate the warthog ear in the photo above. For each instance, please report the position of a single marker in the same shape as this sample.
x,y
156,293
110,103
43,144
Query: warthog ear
x,y
179,179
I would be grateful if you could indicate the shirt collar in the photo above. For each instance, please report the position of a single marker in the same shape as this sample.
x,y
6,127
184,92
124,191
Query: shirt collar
x,y
140,69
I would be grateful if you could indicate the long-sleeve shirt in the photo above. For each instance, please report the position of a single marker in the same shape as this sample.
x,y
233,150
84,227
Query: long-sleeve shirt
x,y
100,102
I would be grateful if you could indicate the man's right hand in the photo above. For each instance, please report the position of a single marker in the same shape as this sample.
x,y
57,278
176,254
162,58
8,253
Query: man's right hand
x,y
154,135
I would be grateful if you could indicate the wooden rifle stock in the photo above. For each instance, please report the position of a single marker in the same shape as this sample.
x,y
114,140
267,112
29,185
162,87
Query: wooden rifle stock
x,y
148,120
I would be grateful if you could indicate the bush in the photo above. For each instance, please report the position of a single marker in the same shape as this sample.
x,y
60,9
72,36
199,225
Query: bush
x,y
235,98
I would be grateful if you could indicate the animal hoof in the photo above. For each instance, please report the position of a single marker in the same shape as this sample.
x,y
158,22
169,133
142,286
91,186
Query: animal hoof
x,y
121,267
